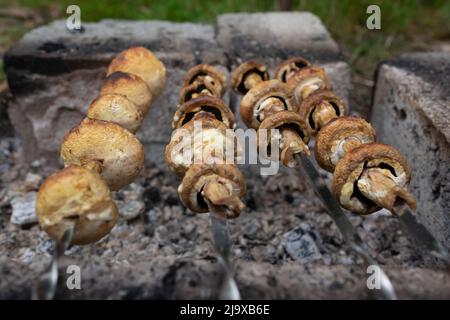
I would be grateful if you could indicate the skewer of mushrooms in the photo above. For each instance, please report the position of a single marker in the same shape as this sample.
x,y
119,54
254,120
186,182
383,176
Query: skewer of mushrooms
x,y
270,104
197,153
101,154
273,104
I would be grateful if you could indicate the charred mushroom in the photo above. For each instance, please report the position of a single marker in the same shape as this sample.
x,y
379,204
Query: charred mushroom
x,y
208,75
287,68
307,80
118,109
106,148
219,185
247,75
294,133
340,136
143,63
320,107
265,99
203,139
131,87
215,106
373,176
79,197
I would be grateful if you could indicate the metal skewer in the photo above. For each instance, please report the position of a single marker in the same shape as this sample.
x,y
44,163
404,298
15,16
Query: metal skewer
x,y
352,238
421,235
222,243
47,282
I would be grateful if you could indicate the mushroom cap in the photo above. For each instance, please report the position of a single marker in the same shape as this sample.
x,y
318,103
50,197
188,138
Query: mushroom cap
x,y
143,63
190,189
349,169
76,195
131,87
337,130
197,87
213,105
118,151
308,105
282,118
308,72
217,80
256,96
289,119
245,68
118,109
196,144
287,67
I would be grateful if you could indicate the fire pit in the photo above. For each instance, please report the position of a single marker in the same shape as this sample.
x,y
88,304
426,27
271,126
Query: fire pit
x,y
284,245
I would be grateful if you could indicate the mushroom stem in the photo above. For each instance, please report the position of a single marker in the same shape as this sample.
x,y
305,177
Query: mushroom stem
x,y
377,185
252,80
268,107
323,114
221,199
291,143
93,165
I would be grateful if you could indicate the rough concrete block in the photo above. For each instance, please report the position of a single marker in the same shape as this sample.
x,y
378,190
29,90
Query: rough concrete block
x,y
411,112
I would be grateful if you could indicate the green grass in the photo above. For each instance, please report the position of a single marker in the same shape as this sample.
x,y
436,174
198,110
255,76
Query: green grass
x,y
406,24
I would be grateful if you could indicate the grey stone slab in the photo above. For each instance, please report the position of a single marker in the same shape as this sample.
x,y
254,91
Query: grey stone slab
x,y
275,35
410,111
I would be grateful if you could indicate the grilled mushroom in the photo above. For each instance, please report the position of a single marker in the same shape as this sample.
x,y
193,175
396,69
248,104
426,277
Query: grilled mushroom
x,y
204,139
288,67
118,109
219,185
247,75
197,89
143,63
264,99
78,197
208,75
131,87
215,106
340,136
294,135
373,176
320,107
105,147
307,80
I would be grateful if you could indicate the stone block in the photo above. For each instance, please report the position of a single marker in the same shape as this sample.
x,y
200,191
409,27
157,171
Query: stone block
x,y
410,111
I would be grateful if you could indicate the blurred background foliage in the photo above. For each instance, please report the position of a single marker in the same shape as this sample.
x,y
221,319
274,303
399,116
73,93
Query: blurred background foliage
x,y
407,25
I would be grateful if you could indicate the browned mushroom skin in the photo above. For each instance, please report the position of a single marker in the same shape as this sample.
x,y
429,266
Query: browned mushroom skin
x,y
339,136
208,75
242,73
106,146
118,109
329,103
131,87
79,197
306,80
213,131
350,168
253,109
292,128
213,105
143,63
197,89
285,69
193,184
